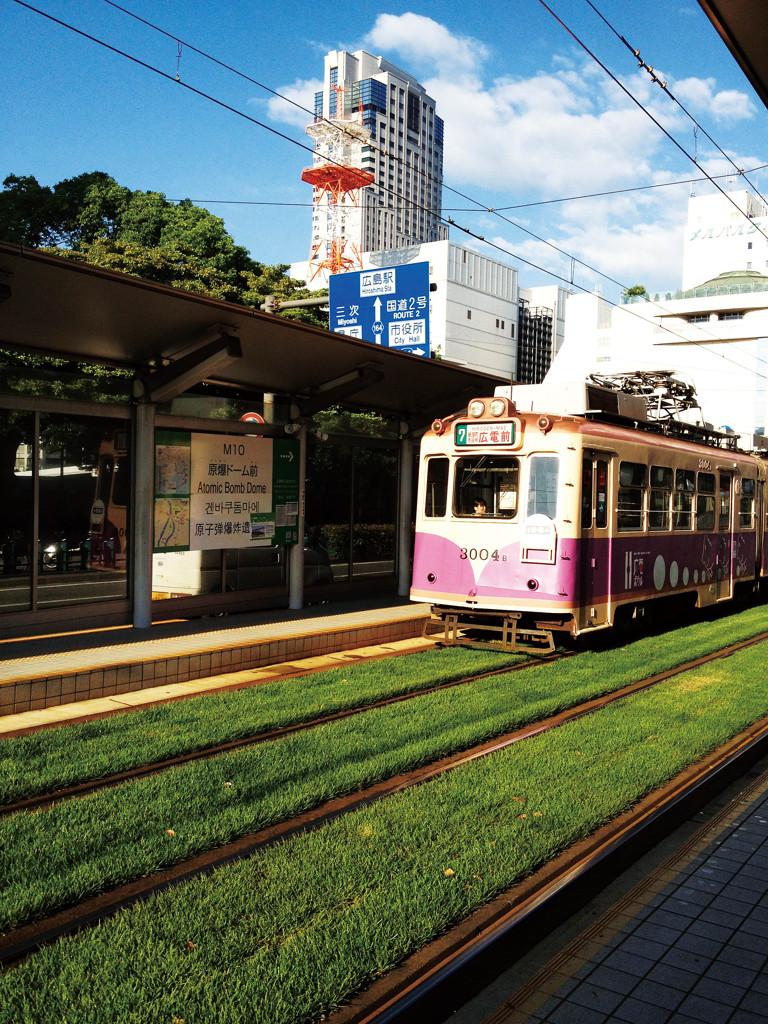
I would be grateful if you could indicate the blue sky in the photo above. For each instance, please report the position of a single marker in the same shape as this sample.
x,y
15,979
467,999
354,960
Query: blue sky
x,y
529,116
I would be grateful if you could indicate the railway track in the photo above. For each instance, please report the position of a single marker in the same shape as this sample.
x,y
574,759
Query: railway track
x,y
44,800
446,958
431,985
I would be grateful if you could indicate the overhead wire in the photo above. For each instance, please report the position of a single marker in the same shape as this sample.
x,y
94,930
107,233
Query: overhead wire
x,y
647,112
516,206
477,207
665,88
674,141
480,206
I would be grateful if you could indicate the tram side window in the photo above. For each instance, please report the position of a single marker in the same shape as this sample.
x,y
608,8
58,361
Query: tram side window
x,y
492,479
436,496
631,492
685,486
659,498
542,485
705,502
747,505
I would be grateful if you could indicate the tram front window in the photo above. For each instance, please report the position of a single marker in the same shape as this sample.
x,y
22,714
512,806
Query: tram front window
x,y
492,480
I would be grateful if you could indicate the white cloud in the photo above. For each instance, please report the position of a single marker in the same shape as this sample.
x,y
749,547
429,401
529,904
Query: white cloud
x,y
299,111
568,131
700,94
730,104
630,238
420,39
551,134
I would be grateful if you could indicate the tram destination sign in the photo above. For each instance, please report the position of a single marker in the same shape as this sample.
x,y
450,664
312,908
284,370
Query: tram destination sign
x,y
474,434
388,306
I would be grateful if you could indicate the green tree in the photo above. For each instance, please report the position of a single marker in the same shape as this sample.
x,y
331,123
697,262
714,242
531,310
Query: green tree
x,y
94,219
25,212
636,291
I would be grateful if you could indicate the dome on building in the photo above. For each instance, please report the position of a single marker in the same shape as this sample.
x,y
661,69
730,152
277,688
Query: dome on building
x,y
735,278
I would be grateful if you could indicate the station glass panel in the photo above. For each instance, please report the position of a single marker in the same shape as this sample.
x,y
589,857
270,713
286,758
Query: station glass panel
x,y
16,509
352,506
84,509
374,511
329,504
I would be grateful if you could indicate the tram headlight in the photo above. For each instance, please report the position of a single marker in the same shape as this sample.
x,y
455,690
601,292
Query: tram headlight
x,y
476,408
497,407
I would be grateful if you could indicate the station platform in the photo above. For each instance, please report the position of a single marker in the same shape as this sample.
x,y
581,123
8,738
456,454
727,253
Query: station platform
x,y
176,658
687,944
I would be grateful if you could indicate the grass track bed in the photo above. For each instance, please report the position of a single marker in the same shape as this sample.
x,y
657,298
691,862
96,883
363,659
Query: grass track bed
x,y
80,848
51,759
292,932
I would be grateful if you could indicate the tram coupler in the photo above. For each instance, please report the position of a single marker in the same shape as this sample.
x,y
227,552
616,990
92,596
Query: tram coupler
x,y
513,637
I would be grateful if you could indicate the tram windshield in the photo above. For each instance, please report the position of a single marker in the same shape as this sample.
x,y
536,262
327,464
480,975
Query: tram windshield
x,y
487,485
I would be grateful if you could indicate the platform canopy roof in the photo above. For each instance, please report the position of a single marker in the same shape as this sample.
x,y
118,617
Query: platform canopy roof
x,y
64,308
743,27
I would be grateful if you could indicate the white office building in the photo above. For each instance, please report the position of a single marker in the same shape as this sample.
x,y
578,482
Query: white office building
x,y
404,152
724,232
712,333
474,308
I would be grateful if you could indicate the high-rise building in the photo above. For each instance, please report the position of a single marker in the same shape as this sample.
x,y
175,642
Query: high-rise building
x,y
404,152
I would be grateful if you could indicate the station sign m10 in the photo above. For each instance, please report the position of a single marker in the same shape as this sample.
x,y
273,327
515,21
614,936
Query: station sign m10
x,y
388,306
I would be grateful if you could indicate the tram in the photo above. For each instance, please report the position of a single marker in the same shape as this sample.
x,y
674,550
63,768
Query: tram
x,y
567,509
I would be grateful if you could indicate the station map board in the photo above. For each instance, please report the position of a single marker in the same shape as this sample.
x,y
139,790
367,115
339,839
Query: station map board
x,y
388,306
224,491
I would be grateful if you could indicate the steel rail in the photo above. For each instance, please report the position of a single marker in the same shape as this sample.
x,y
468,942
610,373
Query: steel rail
x,y
41,801
20,942
432,983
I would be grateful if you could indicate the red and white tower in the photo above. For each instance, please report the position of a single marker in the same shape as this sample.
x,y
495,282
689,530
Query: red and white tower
x,y
338,178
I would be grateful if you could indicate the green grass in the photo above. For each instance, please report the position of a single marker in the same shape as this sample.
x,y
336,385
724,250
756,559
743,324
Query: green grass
x,y
294,931
51,759
82,847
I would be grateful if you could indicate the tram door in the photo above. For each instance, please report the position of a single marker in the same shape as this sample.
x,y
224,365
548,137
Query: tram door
x,y
595,569
724,582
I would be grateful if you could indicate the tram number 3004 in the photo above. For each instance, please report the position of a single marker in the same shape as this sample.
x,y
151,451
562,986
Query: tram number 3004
x,y
481,555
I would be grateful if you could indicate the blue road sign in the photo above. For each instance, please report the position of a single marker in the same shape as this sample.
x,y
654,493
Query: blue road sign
x,y
388,306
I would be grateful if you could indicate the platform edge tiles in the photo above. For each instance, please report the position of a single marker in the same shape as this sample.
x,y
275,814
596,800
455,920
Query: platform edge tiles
x,y
48,680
